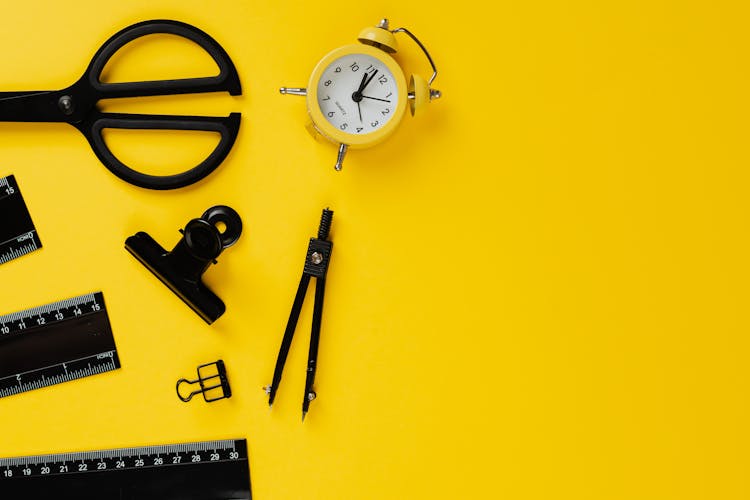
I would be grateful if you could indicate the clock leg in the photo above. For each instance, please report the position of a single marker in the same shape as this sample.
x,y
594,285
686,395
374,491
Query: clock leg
x,y
293,91
342,153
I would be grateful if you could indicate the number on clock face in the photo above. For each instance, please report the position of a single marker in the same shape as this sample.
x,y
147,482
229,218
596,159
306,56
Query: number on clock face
x,y
348,109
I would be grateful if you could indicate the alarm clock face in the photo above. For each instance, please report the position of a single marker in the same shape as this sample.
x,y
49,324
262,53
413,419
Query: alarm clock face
x,y
357,94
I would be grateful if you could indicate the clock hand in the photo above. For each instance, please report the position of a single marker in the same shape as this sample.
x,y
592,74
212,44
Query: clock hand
x,y
357,96
368,81
362,85
374,98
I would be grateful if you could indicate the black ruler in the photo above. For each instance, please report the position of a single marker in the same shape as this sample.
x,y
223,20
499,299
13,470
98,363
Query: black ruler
x,y
213,470
56,343
18,235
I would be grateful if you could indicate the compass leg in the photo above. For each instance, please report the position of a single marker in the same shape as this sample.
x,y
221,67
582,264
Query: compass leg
x,y
286,343
312,359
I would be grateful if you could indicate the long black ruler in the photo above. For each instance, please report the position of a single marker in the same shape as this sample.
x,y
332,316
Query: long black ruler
x,y
212,470
56,343
18,235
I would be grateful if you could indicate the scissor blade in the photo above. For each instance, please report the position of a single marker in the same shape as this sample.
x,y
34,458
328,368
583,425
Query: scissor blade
x,y
37,106
11,95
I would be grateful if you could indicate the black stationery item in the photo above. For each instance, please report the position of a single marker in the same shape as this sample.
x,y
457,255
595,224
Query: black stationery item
x,y
214,470
316,266
56,343
212,380
18,235
182,268
77,104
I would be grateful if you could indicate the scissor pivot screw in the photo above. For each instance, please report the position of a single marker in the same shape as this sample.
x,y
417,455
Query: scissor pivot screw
x,y
316,258
311,396
66,105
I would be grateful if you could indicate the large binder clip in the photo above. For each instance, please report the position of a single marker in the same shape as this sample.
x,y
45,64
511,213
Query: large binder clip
x,y
181,269
219,390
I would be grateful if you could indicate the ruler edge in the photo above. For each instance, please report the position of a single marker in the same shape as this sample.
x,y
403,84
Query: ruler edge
x,y
116,365
37,310
8,462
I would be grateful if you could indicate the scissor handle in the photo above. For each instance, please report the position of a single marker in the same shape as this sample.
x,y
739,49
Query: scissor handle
x,y
227,127
90,89
226,81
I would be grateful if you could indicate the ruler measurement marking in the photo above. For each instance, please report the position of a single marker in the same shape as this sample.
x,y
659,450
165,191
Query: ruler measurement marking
x,y
33,231
57,379
67,304
14,254
62,461
130,452
20,317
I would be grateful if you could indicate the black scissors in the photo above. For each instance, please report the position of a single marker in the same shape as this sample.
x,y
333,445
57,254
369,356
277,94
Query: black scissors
x,y
77,104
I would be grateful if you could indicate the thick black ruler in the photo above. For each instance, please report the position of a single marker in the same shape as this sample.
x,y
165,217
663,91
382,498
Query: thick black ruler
x,y
56,343
18,235
214,470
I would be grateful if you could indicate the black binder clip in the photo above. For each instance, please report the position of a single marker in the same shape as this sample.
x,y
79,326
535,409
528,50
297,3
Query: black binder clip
x,y
316,265
205,374
182,268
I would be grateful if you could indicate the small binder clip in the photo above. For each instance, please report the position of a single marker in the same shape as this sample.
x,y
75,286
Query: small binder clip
x,y
205,374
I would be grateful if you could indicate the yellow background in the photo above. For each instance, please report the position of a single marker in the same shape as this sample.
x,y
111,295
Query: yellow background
x,y
539,289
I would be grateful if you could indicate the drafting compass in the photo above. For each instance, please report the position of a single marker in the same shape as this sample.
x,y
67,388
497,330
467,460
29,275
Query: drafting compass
x,y
316,266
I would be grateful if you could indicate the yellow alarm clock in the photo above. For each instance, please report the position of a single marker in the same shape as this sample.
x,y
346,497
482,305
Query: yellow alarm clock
x,y
358,94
